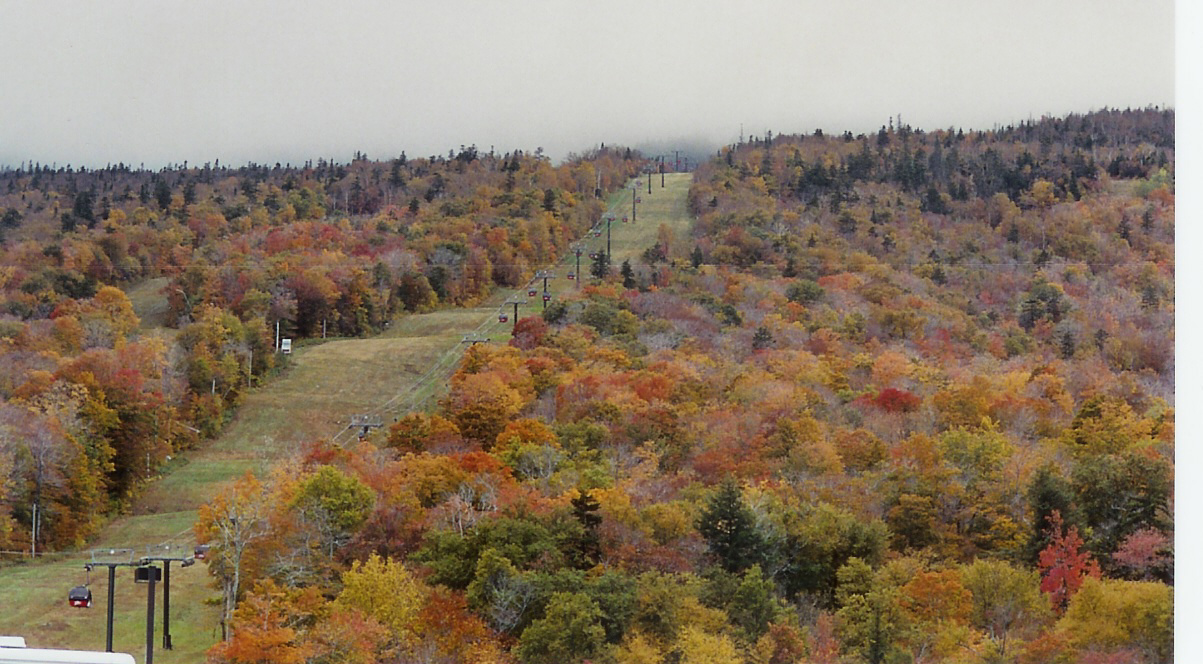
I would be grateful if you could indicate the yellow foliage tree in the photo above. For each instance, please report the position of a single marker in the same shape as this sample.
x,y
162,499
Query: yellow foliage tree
x,y
635,649
1108,614
699,647
388,592
481,404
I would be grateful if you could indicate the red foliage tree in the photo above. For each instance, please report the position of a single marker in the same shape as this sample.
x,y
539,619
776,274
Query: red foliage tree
x,y
1063,564
893,400
528,333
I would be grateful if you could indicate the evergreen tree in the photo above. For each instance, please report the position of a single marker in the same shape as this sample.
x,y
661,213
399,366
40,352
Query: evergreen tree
x,y
729,529
82,207
601,266
162,194
1048,493
586,551
695,257
628,274
11,218
762,339
1067,345
791,267
1013,234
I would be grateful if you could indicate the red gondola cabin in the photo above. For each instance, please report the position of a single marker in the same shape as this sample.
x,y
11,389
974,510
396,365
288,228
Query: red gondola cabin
x,y
80,597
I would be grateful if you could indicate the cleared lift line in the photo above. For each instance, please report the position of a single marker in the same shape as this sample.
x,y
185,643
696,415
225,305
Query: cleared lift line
x,y
420,390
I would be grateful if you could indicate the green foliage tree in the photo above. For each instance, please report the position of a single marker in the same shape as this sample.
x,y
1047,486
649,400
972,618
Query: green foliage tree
x,y
1121,494
871,623
659,604
570,631
819,541
453,559
501,593
1043,301
753,606
804,291
335,504
1006,602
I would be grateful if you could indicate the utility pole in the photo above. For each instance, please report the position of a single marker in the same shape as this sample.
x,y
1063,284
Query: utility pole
x,y
634,195
608,221
576,249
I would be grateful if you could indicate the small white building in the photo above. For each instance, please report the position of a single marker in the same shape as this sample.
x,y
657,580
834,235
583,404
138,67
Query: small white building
x,y
13,651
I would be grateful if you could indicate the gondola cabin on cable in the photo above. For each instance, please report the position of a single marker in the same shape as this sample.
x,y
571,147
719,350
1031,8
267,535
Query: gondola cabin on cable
x,y
532,292
546,296
200,551
80,597
503,317
625,220
572,275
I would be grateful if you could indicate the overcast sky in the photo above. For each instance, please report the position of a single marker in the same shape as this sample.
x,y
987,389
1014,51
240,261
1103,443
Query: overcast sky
x,y
159,82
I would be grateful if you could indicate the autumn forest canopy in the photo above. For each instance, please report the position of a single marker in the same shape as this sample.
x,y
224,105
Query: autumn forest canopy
x,y
894,397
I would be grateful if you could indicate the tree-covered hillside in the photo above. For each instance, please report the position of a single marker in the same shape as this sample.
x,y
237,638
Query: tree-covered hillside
x,y
899,397
93,400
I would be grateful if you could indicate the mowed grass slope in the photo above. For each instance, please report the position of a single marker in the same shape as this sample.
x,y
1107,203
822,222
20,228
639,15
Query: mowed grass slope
x,y
325,383
665,206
